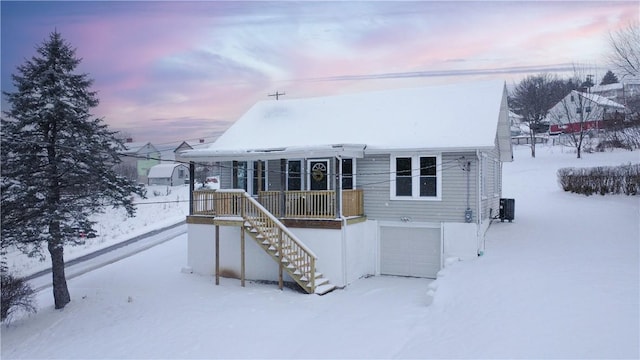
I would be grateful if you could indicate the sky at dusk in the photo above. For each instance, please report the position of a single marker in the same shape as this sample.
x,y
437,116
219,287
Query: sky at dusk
x,y
171,71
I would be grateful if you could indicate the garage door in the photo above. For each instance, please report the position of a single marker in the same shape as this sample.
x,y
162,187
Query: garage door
x,y
409,251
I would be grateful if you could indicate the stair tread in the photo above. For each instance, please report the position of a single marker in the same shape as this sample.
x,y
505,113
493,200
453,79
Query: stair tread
x,y
323,289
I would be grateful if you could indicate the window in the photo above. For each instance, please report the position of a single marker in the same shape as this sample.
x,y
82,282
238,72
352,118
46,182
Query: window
x,y
578,110
240,175
181,173
415,177
347,174
294,175
404,184
428,177
259,177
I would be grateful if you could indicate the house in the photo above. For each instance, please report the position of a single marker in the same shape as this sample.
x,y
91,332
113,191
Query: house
x,y
618,92
140,156
580,111
188,145
168,174
331,189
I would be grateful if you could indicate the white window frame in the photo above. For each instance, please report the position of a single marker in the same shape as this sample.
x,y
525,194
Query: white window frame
x,y
415,177
308,173
353,172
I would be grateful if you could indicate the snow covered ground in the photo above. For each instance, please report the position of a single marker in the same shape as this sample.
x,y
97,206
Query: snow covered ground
x,y
164,206
561,281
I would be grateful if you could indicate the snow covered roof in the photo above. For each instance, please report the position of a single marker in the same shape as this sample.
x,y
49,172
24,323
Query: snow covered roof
x,y
134,147
163,170
455,116
600,100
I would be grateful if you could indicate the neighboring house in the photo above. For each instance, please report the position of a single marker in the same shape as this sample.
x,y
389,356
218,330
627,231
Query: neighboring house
x,y
517,127
168,174
336,188
580,111
618,92
142,156
188,145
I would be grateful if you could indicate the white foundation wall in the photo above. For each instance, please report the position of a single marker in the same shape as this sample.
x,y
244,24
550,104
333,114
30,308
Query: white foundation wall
x,y
461,240
201,248
326,244
357,253
201,254
361,250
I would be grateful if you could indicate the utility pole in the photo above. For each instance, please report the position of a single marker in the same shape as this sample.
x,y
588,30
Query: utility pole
x,y
277,94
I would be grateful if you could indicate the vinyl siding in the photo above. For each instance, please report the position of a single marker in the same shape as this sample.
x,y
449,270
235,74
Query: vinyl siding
x,y
491,174
373,178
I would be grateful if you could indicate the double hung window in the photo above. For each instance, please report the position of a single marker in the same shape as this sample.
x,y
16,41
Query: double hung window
x,y
416,177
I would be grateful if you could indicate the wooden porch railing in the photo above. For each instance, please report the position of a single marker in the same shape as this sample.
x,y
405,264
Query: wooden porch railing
x,y
313,204
353,202
298,204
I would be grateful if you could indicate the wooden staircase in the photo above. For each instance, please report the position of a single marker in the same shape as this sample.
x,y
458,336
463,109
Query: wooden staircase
x,y
283,246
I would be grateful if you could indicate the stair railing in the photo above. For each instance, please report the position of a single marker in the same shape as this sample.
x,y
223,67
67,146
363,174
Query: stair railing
x,y
290,249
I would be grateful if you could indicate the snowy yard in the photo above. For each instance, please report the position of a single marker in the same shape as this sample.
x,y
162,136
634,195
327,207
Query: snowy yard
x,y
561,281
164,206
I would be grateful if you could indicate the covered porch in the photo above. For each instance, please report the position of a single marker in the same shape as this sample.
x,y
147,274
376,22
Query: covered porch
x,y
307,184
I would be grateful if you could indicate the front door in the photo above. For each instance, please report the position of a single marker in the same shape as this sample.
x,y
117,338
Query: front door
x,y
318,174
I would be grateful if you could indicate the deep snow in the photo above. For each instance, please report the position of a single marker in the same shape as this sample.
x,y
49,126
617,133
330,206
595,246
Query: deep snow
x,y
561,281
163,206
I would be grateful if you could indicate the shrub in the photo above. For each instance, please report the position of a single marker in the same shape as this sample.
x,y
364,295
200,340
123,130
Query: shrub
x,y
623,179
16,294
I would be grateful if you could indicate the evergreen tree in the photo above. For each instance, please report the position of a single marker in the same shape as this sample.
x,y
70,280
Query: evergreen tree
x,y
57,159
609,78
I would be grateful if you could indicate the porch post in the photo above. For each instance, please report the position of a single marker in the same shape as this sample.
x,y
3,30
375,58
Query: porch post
x,y
192,187
217,254
283,185
280,264
259,177
242,254
338,186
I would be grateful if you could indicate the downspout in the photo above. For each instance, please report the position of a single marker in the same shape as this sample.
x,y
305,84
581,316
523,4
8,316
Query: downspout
x,y
479,199
192,175
343,227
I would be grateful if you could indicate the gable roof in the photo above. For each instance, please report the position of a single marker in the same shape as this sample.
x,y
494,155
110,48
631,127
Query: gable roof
x,y
135,147
600,100
455,116
163,170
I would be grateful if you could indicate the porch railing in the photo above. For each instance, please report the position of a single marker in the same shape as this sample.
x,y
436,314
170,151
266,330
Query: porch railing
x,y
297,204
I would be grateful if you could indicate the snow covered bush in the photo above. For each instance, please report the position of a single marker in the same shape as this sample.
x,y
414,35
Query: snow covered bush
x,y
623,179
16,294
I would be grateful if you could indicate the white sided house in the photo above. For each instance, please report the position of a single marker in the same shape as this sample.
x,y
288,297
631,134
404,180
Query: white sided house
x,y
168,174
323,191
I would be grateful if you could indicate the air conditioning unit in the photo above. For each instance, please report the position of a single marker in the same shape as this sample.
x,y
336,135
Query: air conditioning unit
x,y
507,209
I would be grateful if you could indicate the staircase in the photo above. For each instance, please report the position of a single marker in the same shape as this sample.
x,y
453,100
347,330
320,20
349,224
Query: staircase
x,y
283,246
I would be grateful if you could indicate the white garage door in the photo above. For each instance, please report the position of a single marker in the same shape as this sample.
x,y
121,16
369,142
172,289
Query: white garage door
x,y
410,251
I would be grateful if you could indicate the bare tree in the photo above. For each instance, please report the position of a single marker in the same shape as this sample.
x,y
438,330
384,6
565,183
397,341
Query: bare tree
x,y
579,113
625,49
533,97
